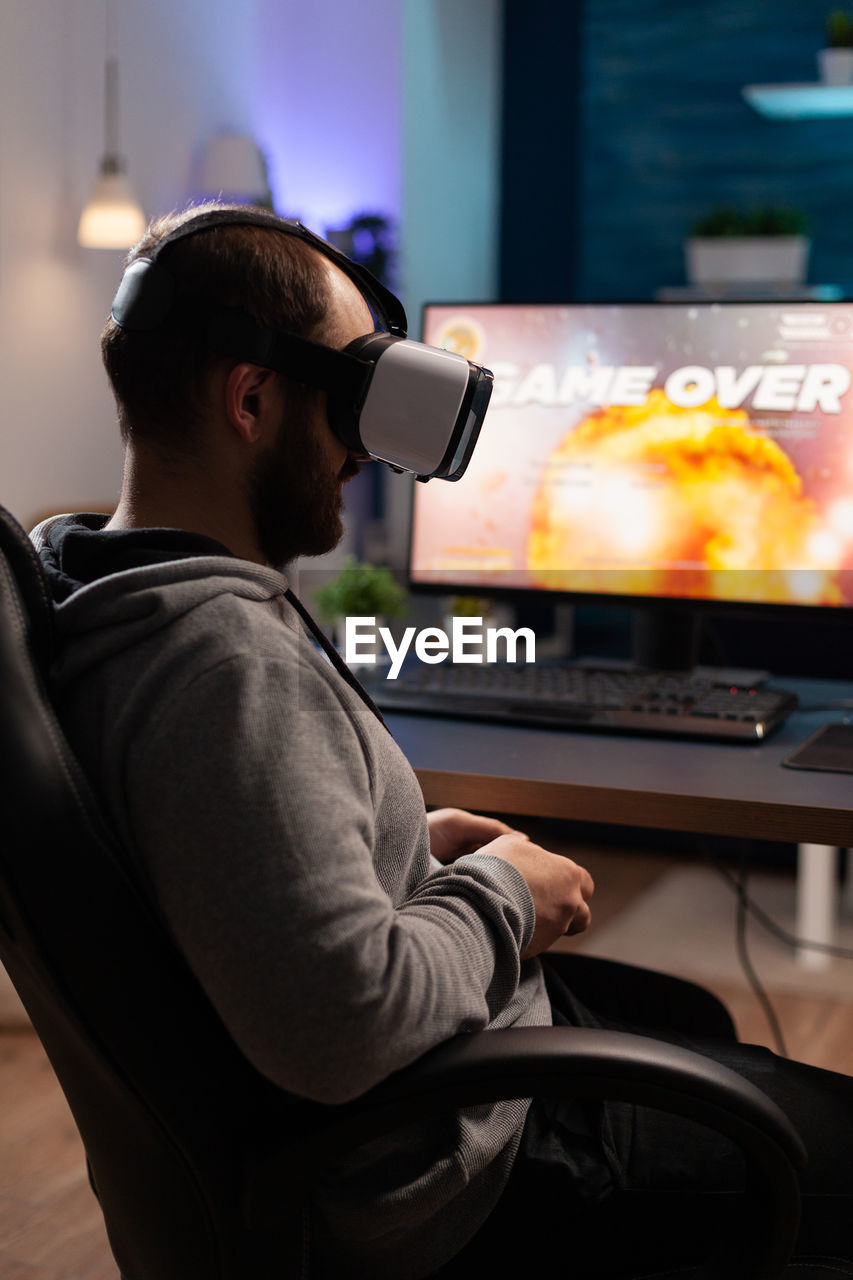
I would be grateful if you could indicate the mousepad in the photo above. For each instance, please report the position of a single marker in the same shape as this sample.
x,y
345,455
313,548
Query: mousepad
x,y
830,749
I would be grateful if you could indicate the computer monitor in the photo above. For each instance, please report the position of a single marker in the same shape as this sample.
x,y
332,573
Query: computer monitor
x,y
683,457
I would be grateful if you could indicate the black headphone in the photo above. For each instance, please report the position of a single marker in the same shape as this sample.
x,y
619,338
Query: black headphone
x,y
147,290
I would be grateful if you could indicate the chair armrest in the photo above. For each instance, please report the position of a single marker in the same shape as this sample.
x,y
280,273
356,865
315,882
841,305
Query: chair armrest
x,y
566,1061
558,1061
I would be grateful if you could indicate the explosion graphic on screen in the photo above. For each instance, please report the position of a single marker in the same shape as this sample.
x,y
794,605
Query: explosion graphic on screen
x,y
656,499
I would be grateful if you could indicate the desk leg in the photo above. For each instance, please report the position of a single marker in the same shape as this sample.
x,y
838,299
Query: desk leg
x,y
847,890
817,901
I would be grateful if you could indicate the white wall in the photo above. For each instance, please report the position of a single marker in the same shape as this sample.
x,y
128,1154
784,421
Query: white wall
x,y
452,68
452,73
329,82
184,72
329,117
387,105
390,105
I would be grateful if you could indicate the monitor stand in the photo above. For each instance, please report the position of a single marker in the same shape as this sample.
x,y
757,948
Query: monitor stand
x,y
665,638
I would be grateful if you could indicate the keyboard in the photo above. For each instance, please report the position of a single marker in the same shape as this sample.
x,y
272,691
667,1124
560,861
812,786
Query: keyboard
x,y
680,704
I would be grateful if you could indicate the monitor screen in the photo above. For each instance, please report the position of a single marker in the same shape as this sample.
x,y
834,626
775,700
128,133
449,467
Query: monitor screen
x,y
699,451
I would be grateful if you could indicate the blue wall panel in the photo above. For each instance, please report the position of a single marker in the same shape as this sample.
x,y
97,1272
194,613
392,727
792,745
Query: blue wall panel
x,y
540,210
666,135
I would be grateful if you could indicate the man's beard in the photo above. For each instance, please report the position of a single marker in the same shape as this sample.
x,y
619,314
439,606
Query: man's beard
x,y
296,500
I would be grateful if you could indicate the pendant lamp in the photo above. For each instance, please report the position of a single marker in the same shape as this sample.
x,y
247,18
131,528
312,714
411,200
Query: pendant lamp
x,y
112,219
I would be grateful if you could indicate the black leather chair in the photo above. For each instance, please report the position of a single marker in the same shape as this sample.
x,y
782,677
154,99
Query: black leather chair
x,y
200,1164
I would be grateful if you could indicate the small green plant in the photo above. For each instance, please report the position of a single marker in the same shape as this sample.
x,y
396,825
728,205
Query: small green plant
x,y
468,606
768,220
360,590
839,30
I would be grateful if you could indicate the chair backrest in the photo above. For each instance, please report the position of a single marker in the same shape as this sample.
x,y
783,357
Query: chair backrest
x,y
167,1107
175,1121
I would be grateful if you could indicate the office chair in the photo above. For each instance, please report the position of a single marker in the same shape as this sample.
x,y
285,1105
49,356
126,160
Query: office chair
x,y
201,1164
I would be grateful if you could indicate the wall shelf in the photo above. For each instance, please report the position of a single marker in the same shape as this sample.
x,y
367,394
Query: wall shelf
x,y
760,291
800,101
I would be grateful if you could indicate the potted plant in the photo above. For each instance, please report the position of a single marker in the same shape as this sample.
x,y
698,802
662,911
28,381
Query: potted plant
x,y
368,238
468,607
492,612
360,590
835,60
759,246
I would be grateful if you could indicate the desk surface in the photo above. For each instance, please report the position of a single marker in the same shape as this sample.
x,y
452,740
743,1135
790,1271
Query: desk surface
x,y
665,784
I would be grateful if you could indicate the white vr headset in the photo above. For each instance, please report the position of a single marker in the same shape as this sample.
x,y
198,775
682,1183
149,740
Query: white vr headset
x,y
418,408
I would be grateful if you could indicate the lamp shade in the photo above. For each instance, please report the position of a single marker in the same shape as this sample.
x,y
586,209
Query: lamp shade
x,y
234,167
112,219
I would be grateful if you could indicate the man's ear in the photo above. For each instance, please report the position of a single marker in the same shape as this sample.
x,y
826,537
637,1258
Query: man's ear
x,y
251,392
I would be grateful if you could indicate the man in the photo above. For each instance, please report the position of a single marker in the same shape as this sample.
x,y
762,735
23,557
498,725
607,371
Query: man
x,y
339,933
338,929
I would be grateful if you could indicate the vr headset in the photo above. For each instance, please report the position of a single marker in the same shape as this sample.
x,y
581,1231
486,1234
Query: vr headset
x,y
415,407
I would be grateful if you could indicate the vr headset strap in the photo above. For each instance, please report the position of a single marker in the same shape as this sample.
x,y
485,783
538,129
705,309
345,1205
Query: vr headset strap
x,y
237,334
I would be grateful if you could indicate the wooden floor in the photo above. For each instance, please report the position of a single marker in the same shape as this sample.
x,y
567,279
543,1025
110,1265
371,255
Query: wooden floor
x,y
50,1225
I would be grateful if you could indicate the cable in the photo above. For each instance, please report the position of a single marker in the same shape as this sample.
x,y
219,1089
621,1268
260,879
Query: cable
x,y
790,939
746,905
743,905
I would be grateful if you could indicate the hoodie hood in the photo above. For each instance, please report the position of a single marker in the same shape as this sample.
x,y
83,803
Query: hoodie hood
x,y
103,608
78,549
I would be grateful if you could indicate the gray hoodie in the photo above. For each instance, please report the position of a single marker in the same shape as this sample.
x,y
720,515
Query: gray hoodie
x,y
283,835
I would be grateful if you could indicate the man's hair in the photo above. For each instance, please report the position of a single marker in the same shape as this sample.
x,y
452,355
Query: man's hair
x,y
160,377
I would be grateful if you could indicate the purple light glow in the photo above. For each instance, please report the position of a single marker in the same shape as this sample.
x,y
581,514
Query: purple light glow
x,y
328,109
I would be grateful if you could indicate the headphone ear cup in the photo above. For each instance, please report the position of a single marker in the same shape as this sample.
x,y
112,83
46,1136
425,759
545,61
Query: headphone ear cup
x,y
144,297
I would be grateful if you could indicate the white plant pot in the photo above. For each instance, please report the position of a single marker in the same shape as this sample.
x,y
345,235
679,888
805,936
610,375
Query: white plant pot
x,y
835,66
747,259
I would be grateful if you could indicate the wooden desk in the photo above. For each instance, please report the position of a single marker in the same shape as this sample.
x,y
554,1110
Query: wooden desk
x,y
659,783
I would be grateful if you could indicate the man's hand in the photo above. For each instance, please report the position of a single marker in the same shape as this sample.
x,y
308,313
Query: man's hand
x,y
561,889
453,832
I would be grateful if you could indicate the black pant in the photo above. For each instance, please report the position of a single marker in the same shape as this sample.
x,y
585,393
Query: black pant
x,y
604,1187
